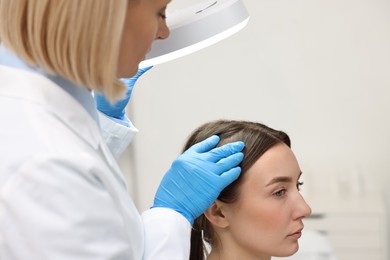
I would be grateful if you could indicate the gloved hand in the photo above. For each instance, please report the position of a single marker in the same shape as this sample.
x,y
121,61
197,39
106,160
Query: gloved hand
x,y
196,178
117,110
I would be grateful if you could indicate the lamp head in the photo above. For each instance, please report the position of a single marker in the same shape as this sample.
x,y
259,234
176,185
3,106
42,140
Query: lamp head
x,y
196,27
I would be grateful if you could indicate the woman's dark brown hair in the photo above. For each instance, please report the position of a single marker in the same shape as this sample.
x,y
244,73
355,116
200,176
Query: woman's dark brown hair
x,y
258,138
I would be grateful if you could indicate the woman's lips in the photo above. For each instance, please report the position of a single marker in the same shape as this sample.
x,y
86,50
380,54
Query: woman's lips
x,y
296,234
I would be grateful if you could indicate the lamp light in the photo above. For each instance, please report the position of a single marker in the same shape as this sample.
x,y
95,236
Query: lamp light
x,y
196,27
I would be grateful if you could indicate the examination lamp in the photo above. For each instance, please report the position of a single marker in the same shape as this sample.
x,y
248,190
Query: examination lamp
x,y
196,27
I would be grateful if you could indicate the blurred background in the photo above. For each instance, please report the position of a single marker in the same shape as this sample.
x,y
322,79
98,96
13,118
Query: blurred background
x,y
318,70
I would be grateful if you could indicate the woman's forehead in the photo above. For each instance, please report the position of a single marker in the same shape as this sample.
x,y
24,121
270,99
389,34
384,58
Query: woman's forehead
x,y
278,162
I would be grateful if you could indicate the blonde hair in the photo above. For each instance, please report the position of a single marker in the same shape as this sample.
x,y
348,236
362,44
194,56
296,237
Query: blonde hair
x,y
76,39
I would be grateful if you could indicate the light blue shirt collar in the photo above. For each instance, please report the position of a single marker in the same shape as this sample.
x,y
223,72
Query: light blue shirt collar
x,y
82,95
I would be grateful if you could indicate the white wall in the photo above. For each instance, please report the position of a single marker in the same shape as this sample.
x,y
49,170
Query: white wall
x,y
317,69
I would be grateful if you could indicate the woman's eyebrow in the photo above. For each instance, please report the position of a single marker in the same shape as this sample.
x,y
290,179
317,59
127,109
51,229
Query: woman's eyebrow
x,y
281,179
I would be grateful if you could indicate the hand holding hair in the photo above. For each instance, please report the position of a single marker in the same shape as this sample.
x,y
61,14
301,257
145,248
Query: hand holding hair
x,y
196,178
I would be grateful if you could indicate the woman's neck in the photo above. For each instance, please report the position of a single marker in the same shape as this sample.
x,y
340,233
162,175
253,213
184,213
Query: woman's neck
x,y
232,255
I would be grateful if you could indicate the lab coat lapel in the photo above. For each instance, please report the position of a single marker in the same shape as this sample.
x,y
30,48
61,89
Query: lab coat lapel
x,y
36,88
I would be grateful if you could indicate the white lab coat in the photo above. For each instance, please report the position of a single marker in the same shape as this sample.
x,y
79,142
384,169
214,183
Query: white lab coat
x,y
62,194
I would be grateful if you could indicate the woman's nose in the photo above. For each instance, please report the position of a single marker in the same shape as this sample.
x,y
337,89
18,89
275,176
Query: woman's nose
x,y
163,31
302,209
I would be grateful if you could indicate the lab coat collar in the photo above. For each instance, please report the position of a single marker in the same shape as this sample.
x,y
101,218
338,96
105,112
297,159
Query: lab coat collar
x,y
36,88
10,59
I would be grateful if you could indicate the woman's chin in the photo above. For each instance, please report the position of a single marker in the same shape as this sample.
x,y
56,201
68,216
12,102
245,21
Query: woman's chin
x,y
128,73
288,251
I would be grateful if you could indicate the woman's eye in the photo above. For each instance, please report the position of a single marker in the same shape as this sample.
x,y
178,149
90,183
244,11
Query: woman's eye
x,y
280,193
163,16
299,184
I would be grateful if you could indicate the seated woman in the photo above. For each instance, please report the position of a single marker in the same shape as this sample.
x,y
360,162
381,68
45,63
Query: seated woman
x,y
260,214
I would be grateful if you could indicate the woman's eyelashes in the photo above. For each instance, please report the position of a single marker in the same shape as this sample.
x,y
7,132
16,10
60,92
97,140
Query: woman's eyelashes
x,y
283,191
163,15
280,193
299,184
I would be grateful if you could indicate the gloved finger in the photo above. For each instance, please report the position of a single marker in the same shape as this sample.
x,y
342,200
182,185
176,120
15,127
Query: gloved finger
x,y
205,145
230,176
223,151
142,71
130,82
230,162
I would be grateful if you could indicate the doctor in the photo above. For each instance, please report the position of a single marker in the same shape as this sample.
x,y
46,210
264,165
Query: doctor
x,y
62,195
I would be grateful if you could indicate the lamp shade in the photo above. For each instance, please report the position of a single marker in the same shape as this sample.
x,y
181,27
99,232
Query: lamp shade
x,y
196,27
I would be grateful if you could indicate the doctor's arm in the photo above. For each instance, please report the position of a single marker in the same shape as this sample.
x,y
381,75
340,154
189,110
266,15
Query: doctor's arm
x,y
190,186
116,128
56,207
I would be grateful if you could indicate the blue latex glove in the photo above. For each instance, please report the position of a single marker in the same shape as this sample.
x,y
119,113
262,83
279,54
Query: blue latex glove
x,y
117,110
196,178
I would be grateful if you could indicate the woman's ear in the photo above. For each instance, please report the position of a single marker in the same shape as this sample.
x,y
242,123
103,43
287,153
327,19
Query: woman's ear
x,y
215,214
